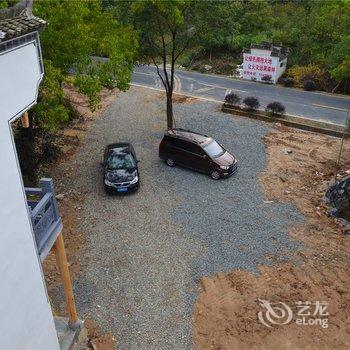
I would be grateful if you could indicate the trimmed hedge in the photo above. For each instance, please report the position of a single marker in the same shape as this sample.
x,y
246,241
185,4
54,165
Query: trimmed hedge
x,y
251,103
267,79
275,108
232,99
309,85
287,82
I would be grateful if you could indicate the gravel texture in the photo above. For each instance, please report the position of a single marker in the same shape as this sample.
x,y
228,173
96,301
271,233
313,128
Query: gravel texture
x,y
146,252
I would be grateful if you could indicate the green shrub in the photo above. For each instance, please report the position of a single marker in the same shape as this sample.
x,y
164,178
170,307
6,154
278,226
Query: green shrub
x,y
252,103
232,99
287,82
89,86
266,78
311,72
309,85
275,109
35,147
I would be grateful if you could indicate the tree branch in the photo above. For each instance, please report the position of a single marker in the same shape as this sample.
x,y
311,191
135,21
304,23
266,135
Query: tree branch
x,y
164,52
153,44
158,72
183,49
173,60
164,61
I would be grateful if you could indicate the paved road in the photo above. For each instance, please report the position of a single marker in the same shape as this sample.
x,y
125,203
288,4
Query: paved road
x,y
313,105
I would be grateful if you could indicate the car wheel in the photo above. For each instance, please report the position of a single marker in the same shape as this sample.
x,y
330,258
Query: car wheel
x,y
170,162
107,190
215,175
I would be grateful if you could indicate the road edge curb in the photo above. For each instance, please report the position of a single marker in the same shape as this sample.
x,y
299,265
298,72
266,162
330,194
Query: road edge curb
x,y
294,122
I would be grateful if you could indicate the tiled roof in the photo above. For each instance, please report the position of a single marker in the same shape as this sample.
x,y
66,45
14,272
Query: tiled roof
x,y
276,50
17,26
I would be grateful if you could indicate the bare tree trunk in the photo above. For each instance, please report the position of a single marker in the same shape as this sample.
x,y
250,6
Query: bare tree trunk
x,y
336,87
169,109
170,116
168,81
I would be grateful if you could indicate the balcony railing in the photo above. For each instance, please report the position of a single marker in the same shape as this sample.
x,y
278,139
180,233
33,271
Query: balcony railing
x,y
46,221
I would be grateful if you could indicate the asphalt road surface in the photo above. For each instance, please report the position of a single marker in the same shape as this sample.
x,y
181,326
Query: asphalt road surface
x,y
312,105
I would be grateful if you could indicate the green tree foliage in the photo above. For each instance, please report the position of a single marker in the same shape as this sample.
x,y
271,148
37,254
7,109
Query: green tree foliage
x,y
215,23
89,86
165,29
316,32
51,110
311,29
3,4
339,59
75,31
7,3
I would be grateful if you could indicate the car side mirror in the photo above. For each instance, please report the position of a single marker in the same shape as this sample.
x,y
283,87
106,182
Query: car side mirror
x,y
138,161
101,164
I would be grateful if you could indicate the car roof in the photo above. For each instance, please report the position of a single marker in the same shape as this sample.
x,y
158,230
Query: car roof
x,y
119,145
189,136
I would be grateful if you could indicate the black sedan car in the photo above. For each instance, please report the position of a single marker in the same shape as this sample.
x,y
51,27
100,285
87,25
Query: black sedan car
x,y
121,174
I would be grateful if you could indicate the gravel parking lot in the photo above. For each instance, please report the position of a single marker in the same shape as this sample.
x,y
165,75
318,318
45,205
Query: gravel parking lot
x,y
146,252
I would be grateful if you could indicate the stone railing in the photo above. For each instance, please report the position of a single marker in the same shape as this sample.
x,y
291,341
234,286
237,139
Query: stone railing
x,y
46,221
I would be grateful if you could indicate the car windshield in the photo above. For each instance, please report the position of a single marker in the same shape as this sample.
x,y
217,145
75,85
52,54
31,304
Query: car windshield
x,y
119,159
213,149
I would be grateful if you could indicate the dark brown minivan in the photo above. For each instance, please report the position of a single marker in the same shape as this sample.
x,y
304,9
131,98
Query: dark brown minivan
x,y
198,152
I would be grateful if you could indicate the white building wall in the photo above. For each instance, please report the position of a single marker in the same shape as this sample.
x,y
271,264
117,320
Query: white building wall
x,y
26,320
282,69
259,63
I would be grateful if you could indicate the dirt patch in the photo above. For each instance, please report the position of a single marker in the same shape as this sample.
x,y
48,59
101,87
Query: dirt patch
x,y
73,134
184,99
96,340
177,98
300,166
81,103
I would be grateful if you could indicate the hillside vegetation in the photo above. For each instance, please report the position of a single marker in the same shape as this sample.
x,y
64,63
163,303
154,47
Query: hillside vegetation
x,y
316,32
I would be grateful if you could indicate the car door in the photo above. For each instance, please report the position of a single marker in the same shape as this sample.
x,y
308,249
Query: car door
x,y
180,152
200,160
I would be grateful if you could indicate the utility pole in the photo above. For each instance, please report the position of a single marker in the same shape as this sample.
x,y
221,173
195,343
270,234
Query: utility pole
x,y
347,127
61,259
25,120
